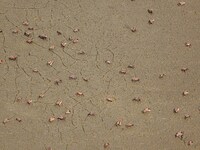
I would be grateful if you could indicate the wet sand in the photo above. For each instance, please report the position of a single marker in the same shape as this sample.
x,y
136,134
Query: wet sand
x,y
85,86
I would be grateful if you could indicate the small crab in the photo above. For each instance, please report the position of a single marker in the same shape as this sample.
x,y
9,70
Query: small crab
x,y
190,143
135,79
29,41
108,62
151,21
146,110
187,116
58,103
70,38
133,29
41,96
81,53
52,47
63,44
19,119
123,71
25,23
150,11
137,99
30,28
1,61
15,31
59,32
106,145
51,119
118,123
58,81
176,110
91,114
187,44
161,75
181,3
76,30
50,63
131,66
184,69
75,41
110,99
61,118
12,57
35,70
129,125
72,77
27,33
43,36
6,120
68,112
29,101
179,134
185,93
18,99
79,94
85,79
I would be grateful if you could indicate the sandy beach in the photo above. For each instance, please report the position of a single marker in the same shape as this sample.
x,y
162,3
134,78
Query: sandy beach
x,y
99,74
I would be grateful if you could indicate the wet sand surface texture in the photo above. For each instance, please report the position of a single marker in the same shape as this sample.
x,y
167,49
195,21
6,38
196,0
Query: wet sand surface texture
x,y
99,74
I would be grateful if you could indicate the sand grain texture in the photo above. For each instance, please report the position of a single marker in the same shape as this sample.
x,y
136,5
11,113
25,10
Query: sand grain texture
x,y
88,53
